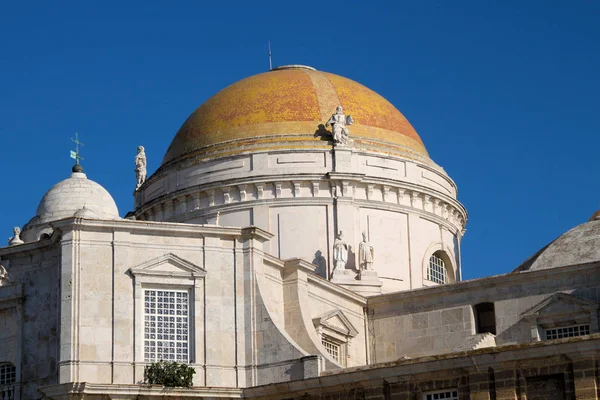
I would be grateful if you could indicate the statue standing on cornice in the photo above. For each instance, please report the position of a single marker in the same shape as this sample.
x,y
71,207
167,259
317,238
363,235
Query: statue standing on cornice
x,y
140,167
339,123
366,255
340,252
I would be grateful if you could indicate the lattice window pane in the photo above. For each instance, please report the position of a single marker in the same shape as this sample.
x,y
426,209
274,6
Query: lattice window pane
x,y
568,331
8,374
166,325
445,395
332,348
437,269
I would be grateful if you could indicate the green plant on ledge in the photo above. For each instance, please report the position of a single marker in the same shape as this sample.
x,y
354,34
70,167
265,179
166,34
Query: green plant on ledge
x,y
169,374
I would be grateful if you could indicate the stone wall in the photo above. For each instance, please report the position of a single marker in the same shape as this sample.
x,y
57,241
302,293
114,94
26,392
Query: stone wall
x,y
441,319
80,317
29,306
566,369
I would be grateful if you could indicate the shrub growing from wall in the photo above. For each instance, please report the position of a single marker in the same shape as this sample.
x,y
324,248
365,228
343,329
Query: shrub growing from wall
x,y
169,374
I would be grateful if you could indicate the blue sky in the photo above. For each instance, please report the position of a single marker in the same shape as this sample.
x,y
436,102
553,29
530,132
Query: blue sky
x,y
505,95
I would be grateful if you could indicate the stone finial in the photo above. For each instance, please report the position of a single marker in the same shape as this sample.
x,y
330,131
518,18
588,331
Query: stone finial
x,y
16,239
140,167
339,122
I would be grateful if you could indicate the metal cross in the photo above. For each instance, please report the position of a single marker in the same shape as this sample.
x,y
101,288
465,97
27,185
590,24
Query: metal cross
x,y
75,154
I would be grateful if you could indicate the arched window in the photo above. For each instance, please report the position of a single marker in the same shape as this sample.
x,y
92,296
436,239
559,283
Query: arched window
x,y
436,272
8,373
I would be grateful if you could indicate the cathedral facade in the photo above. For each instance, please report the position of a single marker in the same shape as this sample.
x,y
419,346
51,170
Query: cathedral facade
x,y
297,241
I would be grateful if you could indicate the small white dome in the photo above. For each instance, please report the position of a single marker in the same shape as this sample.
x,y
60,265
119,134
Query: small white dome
x,y
76,196
67,197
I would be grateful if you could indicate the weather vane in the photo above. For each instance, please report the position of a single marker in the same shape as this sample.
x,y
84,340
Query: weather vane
x,y
75,154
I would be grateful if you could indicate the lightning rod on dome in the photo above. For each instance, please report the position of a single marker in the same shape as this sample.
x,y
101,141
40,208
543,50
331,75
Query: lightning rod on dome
x,y
270,57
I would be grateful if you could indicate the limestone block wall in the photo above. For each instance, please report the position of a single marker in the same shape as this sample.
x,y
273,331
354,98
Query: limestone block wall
x,y
29,313
565,370
408,207
323,298
111,264
82,314
440,319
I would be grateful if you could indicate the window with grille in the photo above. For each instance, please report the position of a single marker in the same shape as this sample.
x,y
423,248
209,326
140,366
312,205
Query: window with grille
x,y
8,374
437,269
445,395
166,325
333,349
568,331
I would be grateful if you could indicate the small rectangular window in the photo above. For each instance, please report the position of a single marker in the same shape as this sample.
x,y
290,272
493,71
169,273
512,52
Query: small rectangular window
x,y
332,348
442,395
485,318
166,325
568,331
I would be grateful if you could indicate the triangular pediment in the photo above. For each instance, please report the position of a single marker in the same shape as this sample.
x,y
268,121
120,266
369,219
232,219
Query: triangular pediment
x,y
168,264
560,304
336,321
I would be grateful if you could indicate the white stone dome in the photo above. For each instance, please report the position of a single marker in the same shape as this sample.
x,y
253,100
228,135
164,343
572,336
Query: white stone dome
x,y
75,196
579,245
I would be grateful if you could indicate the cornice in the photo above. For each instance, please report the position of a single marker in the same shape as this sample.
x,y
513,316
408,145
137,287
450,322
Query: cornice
x,y
496,282
178,206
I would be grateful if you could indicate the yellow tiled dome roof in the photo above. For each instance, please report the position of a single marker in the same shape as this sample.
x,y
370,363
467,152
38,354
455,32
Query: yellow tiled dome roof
x,y
289,101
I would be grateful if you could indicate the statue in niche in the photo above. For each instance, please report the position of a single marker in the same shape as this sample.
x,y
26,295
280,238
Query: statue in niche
x,y
339,123
16,239
340,252
366,255
140,167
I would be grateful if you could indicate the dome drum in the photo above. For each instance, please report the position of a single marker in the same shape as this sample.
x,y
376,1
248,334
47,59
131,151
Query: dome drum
x,y
314,193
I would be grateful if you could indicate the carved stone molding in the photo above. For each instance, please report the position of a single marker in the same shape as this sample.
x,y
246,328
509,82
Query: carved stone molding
x,y
178,205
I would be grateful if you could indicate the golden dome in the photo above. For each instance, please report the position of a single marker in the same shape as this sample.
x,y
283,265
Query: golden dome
x,y
291,102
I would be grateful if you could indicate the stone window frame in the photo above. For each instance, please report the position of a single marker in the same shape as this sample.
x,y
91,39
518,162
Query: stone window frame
x,y
6,372
584,312
337,345
190,278
437,271
447,256
12,297
577,330
186,320
447,394
334,334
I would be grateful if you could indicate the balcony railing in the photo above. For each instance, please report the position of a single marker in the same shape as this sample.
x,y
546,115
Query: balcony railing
x,y
9,392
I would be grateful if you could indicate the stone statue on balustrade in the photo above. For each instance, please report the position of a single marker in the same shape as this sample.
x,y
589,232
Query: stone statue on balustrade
x,y
366,256
4,279
16,239
140,167
340,252
339,123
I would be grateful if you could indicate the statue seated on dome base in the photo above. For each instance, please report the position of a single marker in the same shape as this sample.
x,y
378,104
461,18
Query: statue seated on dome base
x,y
339,122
